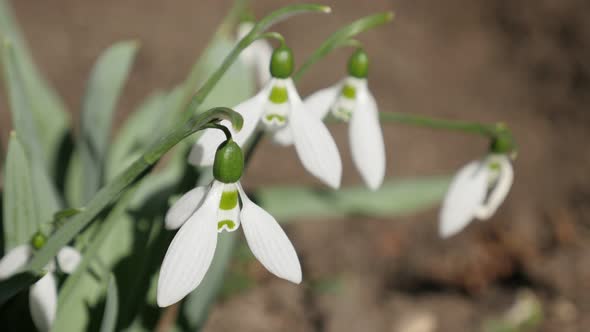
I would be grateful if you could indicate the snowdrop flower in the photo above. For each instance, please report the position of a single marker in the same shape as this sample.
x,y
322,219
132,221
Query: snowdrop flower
x,y
278,110
257,55
477,190
43,294
351,101
222,206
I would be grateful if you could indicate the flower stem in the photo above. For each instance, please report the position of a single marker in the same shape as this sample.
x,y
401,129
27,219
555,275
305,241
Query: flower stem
x,y
495,132
342,36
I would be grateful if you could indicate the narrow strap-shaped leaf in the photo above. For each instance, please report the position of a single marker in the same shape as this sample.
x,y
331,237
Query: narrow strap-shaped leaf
x,y
48,111
17,283
44,195
395,198
109,318
104,87
21,217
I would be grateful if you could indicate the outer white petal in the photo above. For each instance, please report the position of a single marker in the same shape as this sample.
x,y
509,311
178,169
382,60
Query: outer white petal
x,y
203,151
268,241
500,189
68,259
283,136
190,254
320,102
16,258
43,302
184,207
464,196
366,140
313,142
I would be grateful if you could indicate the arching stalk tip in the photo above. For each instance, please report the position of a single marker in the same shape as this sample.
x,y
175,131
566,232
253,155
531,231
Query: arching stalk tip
x,y
326,9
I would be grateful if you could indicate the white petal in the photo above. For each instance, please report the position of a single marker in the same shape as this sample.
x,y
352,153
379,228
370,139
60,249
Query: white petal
x,y
366,141
43,302
465,195
68,259
500,189
190,254
203,151
184,207
314,144
283,136
16,258
320,102
268,241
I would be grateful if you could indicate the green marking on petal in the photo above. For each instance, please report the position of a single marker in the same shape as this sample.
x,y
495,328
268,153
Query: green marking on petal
x,y
494,166
279,118
278,95
230,224
229,200
348,91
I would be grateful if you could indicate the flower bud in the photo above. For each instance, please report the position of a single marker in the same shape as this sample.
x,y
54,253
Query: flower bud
x,y
38,240
229,162
282,62
358,64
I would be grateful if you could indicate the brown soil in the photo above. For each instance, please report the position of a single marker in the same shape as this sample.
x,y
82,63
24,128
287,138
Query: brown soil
x,y
521,62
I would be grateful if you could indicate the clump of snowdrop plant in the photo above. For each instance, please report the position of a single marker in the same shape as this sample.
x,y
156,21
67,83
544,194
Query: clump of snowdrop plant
x,y
48,182
43,293
222,206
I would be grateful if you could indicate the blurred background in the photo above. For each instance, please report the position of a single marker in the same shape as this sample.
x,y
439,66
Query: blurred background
x,y
525,63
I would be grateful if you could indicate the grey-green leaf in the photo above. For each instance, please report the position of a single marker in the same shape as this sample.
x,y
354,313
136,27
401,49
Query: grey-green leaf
x,y
48,112
104,87
395,198
21,219
109,318
45,196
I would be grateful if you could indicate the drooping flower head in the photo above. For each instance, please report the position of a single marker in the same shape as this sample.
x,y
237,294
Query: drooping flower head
x,y
42,294
351,101
278,110
204,212
476,192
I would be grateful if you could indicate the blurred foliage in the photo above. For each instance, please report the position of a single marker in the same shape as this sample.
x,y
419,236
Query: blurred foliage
x,y
51,173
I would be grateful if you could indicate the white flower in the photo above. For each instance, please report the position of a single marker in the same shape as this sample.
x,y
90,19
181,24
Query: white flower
x,y
351,100
42,294
278,109
203,212
477,190
257,55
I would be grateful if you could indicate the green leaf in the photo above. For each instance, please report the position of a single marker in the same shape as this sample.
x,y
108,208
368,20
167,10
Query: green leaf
x,y
109,319
104,87
49,115
21,219
45,195
395,198
17,283
139,130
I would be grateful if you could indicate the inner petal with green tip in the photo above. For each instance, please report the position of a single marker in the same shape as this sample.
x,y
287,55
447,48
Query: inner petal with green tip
x,y
228,215
276,110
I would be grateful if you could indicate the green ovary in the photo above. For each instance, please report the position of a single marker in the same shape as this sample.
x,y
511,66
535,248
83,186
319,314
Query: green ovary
x,y
278,95
229,200
229,223
348,91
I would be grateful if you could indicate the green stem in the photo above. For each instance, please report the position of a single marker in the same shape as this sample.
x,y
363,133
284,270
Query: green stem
x,y
501,138
486,130
341,36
